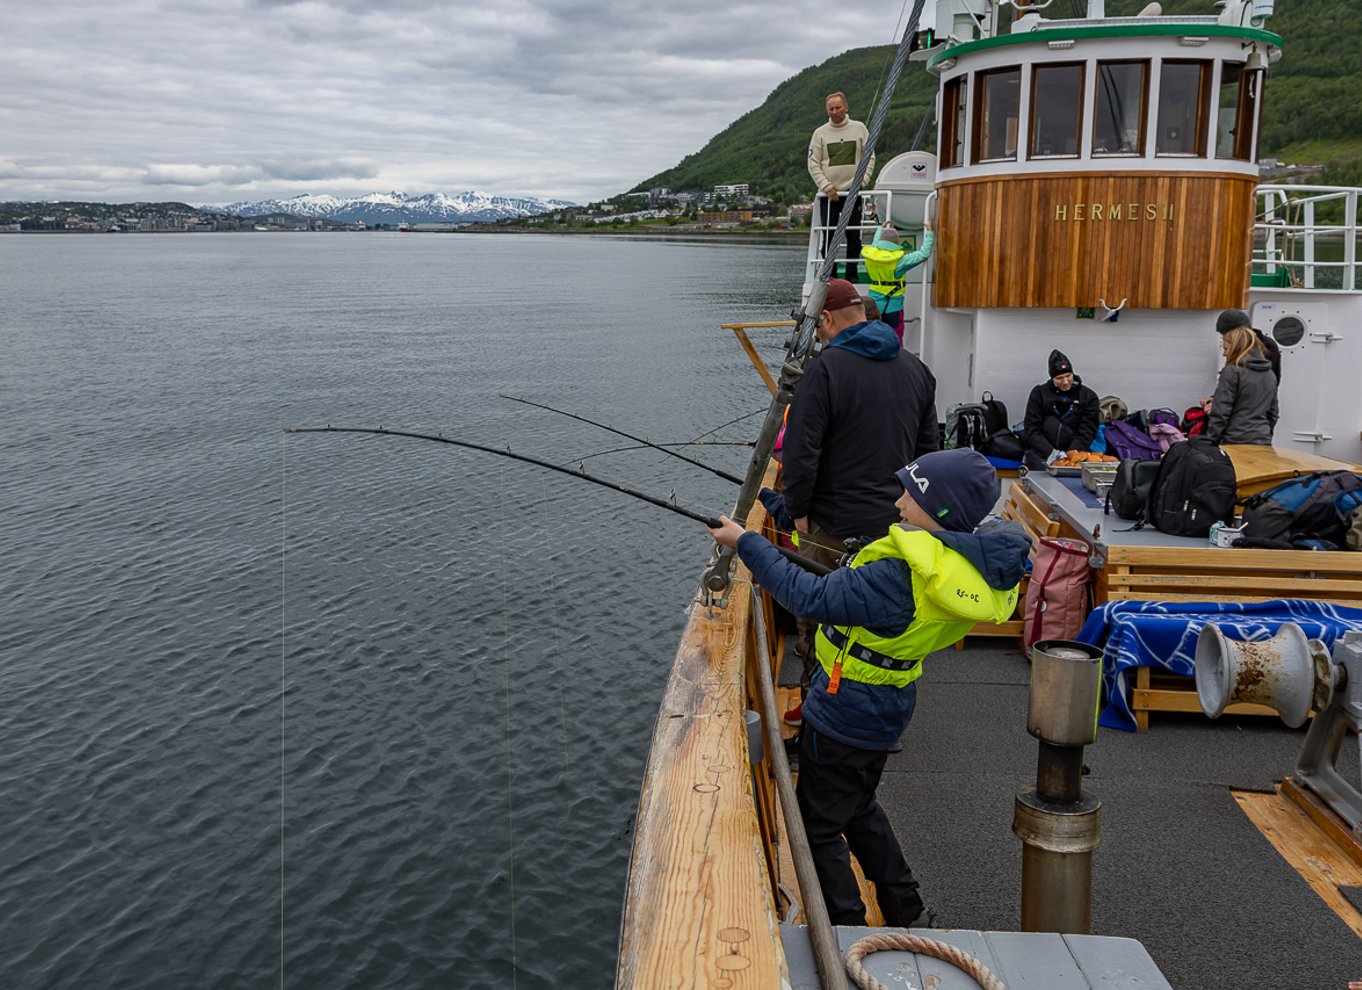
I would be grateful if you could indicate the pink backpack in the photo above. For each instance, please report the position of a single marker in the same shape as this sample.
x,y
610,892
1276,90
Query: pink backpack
x,y
1057,597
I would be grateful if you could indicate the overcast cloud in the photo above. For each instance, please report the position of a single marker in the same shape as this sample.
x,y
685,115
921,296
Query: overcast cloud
x,y
216,101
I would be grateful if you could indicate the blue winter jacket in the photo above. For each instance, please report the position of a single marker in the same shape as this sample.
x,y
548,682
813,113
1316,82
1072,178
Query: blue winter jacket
x,y
877,596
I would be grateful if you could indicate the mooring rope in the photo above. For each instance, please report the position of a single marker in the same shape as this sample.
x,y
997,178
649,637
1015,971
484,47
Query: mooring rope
x,y
904,942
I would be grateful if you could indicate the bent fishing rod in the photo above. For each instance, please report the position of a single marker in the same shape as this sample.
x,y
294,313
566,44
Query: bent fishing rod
x,y
710,522
629,436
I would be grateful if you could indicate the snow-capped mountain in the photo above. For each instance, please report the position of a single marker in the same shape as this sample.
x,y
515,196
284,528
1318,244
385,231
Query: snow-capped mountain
x,y
396,207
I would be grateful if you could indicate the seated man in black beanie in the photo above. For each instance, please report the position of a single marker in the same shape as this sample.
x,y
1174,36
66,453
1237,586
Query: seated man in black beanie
x,y
919,589
1061,415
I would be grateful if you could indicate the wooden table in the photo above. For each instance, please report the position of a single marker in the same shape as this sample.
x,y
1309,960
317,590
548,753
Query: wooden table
x,y
1258,467
1146,565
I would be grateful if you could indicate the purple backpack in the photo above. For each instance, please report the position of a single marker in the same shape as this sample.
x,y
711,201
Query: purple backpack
x,y
1124,441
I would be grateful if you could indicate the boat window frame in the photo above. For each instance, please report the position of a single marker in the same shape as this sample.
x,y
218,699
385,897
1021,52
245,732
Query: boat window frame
x,y
977,128
1142,141
1080,108
1203,108
1247,111
1248,115
954,121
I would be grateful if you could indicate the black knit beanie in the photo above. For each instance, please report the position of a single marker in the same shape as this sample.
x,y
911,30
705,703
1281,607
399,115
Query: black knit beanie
x,y
1231,319
1060,365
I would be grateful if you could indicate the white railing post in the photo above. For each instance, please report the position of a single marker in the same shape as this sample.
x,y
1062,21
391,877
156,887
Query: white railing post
x,y
1350,240
1309,243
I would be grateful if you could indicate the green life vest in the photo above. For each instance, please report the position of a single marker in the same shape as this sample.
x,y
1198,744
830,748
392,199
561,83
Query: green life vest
x,y
879,263
949,597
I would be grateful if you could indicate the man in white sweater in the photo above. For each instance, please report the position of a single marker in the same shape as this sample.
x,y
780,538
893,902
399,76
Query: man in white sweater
x,y
834,152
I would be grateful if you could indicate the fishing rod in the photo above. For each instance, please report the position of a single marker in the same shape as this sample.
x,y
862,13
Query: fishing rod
x,y
710,522
629,436
645,446
718,574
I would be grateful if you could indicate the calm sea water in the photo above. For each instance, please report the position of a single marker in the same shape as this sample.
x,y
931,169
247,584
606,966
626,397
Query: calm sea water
x,y
469,651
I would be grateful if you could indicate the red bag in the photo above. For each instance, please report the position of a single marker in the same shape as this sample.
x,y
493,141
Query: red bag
x,y
1194,421
1057,597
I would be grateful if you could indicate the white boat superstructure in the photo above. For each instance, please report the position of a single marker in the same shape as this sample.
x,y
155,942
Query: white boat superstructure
x,y
1096,189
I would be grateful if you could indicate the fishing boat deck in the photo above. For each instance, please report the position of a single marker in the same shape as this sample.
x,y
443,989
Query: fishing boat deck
x,y
1181,868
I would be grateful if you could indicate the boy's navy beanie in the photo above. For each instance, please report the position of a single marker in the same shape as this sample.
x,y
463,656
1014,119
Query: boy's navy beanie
x,y
957,488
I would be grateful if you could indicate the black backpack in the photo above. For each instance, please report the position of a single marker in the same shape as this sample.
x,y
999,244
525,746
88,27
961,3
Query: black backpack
x,y
1128,496
1299,508
995,414
1194,487
967,426
1005,445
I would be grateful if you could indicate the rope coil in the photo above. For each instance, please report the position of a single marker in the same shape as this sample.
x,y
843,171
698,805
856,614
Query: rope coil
x,y
885,941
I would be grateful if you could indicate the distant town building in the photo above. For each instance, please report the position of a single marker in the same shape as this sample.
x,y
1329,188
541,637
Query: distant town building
x,y
626,217
738,189
725,216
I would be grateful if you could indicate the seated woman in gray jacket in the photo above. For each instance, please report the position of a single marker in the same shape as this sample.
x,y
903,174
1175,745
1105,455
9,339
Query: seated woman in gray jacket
x,y
1244,407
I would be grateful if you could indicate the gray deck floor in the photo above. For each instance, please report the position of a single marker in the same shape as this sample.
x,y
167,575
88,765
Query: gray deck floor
x,y
1181,868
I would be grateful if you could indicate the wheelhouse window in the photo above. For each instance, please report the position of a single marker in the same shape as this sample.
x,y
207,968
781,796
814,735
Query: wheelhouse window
x,y
997,108
1118,124
953,122
1237,116
1184,101
1056,110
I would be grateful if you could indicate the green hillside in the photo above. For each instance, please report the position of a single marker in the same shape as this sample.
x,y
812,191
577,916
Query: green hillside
x,y
1313,111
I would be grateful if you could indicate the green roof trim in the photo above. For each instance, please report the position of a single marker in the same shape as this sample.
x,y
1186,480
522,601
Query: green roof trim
x,y
1115,31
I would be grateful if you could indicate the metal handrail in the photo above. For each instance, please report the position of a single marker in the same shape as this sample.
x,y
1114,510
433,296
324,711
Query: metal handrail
x,y
816,229
1288,220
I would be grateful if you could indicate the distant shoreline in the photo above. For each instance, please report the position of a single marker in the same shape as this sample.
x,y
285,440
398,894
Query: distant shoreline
x,y
801,233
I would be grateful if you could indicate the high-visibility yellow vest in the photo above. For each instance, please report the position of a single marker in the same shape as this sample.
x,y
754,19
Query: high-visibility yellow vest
x,y
949,597
879,264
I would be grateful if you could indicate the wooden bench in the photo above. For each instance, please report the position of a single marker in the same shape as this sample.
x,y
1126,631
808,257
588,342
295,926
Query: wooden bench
x,y
1213,575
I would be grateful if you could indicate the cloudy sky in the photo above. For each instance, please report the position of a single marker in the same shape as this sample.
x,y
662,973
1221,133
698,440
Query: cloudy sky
x,y
217,101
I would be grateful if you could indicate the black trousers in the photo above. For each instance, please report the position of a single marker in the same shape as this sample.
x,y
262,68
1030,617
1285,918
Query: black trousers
x,y
836,793
832,212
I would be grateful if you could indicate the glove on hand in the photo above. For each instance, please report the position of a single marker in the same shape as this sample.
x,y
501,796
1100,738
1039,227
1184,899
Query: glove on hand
x,y
775,506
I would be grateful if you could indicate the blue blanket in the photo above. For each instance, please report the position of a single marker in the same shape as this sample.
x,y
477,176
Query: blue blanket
x,y
1164,634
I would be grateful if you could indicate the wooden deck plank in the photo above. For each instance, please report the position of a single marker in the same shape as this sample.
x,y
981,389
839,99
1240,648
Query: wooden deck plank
x,y
1319,861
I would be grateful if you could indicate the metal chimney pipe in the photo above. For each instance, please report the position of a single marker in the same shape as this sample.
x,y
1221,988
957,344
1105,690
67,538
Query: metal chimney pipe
x,y
1058,826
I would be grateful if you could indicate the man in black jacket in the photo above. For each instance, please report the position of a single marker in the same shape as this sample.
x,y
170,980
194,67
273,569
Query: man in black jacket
x,y
1061,414
864,409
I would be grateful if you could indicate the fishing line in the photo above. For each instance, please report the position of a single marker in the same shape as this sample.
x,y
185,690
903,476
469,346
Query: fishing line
x,y
510,767
283,654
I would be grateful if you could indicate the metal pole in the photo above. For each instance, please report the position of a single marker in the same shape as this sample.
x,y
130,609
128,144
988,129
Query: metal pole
x,y
827,953
719,572
1058,826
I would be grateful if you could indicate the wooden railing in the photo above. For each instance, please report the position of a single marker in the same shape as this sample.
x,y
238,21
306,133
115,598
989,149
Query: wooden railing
x,y
700,908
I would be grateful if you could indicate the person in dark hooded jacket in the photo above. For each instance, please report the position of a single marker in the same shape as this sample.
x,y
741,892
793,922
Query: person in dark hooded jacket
x,y
919,589
1244,407
1061,414
1232,319
862,410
